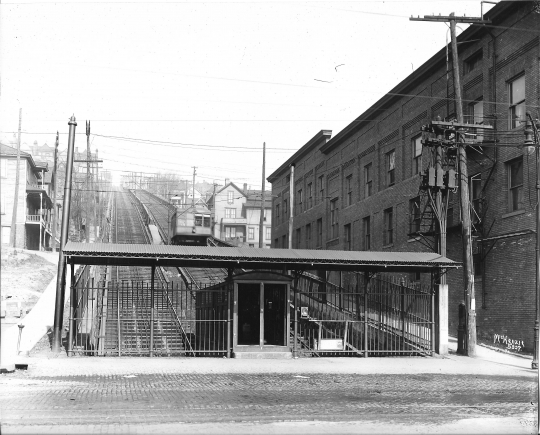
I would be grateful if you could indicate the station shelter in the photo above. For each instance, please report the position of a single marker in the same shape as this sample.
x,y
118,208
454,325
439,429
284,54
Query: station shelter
x,y
270,303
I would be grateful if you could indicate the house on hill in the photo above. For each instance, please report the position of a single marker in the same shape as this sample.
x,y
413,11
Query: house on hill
x,y
237,214
34,206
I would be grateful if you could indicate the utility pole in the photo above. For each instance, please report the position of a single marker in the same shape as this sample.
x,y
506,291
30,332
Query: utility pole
x,y
61,275
88,193
95,197
13,234
55,181
193,198
261,221
468,271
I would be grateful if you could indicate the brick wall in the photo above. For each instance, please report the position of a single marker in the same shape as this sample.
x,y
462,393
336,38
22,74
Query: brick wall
x,y
505,293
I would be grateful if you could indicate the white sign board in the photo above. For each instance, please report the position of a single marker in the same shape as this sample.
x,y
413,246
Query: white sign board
x,y
331,344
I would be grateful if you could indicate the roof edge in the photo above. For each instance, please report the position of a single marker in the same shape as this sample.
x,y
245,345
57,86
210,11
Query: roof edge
x,y
313,142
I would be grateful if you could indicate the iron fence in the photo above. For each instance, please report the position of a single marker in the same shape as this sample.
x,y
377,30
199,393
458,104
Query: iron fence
x,y
380,317
122,318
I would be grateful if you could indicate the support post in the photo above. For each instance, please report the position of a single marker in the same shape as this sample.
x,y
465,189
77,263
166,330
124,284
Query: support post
x,y
152,303
230,302
295,345
40,217
60,277
402,309
366,284
72,311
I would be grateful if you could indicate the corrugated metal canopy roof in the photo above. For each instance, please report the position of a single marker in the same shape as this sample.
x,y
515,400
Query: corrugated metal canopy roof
x,y
252,258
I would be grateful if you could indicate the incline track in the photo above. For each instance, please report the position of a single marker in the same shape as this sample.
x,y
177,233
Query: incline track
x,y
161,212
128,301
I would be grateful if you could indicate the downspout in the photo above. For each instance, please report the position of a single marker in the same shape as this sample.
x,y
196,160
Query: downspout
x,y
291,205
495,155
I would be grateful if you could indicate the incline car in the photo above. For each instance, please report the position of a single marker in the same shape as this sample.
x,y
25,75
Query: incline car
x,y
190,225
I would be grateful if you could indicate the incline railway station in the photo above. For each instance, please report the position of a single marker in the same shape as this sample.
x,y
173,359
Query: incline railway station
x,y
133,296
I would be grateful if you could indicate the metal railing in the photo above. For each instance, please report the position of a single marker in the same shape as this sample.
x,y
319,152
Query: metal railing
x,y
119,318
383,317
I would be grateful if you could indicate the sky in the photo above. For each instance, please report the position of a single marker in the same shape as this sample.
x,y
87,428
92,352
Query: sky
x,y
168,85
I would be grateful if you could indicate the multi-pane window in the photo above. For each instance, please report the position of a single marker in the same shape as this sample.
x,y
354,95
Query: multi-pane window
x,y
230,197
334,219
319,233
298,237
473,62
268,233
348,187
475,184
388,226
476,116
310,195
230,232
368,180
366,229
516,94
478,264
299,199
415,214
416,143
230,213
277,211
348,237
320,189
515,184
391,168
285,242
285,209
308,236
251,233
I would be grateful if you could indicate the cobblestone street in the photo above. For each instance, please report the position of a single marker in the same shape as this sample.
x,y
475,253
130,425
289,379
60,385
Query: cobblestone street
x,y
31,403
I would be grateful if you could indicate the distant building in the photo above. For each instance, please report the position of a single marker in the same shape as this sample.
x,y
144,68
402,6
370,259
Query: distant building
x,y
34,205
42,153
237,215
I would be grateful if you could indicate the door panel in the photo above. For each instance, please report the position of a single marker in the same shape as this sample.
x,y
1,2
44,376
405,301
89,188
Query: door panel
x,y
274,314
249,328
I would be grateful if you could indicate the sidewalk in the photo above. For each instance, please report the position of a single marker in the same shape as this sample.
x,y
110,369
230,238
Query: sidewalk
x,y
36,323
487,362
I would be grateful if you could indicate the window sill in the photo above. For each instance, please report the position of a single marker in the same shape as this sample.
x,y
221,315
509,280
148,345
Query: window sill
x,y
513,213
391,245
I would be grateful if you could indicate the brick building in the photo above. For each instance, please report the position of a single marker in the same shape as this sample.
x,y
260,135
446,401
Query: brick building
x,y
359,190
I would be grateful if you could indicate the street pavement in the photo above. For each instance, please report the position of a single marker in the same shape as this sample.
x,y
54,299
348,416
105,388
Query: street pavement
x,y
492,393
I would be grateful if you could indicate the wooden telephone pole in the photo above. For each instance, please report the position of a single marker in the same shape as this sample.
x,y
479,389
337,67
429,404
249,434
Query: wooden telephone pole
x,y
13,233
55,185
90,196
468,270
261,220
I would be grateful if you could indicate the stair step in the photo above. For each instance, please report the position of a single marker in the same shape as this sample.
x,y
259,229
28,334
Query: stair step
x,y
262,355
